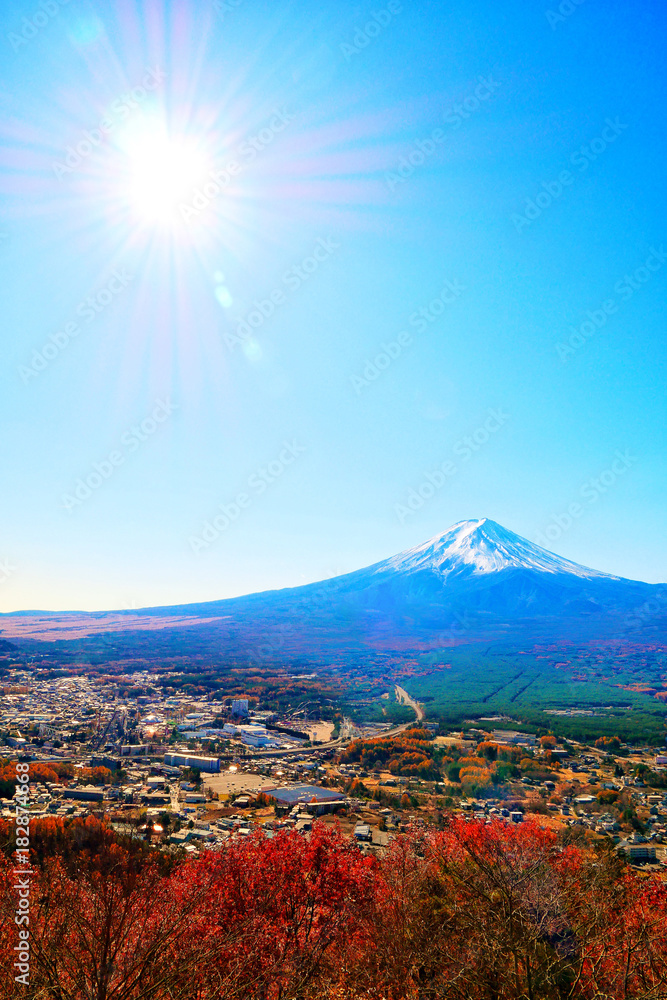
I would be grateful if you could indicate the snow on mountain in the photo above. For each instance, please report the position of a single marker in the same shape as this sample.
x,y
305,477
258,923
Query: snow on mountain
x,y
476,567
478,547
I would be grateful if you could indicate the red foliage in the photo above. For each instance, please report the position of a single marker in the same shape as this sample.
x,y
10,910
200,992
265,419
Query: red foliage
x,y
471,912
481,911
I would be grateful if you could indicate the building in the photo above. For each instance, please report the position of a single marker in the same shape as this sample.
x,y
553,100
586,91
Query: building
x,y
509,737
257,736
317,800
156,798
240,708
137,749
204,734
362,831
87,793
190,760
251,735
103,760
637,854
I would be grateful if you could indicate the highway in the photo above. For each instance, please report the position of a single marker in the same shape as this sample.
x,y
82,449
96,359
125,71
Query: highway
x,y
347,730
404,698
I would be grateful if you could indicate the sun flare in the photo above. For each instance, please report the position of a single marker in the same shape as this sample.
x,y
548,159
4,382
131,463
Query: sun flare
x,y
163,171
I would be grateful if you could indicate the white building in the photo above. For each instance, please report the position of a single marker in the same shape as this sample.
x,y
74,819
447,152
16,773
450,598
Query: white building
x,y
257,736
191,760
252,735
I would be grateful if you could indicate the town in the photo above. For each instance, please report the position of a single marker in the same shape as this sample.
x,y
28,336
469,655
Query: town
x,y
185,772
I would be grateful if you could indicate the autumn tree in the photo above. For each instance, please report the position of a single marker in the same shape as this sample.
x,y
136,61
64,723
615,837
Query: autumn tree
x,y
469,911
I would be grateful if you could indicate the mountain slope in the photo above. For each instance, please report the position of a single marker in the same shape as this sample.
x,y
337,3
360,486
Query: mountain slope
x,y
481,566
477,572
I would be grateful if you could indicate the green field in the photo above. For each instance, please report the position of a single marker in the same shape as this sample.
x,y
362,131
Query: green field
x,y
457,686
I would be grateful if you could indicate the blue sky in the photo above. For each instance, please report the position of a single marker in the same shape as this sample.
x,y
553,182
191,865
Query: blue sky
x,y
435,242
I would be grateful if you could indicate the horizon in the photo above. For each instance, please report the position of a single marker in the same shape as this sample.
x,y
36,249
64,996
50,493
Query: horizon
x,y
478,522
325,282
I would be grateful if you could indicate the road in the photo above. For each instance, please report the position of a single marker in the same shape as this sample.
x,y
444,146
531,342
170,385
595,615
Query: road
x,y
404,698
347,733
307,750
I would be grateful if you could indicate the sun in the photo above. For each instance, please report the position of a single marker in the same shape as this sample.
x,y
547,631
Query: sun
x,y
162,172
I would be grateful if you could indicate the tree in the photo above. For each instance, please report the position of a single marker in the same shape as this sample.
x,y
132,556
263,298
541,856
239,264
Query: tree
x,y
608,743
481,911
470,911
111,929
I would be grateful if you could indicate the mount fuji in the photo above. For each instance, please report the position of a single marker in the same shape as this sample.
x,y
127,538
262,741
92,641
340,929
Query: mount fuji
x,y
475,582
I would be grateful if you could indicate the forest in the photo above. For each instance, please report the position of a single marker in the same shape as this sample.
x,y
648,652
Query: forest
x,y
575,692
465,912
410,753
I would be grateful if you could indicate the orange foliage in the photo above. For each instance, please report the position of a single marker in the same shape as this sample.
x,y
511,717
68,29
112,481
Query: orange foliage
x,y
406,754
95,775
475,776
608,743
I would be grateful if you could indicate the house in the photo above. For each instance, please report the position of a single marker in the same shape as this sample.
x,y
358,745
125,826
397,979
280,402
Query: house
x,y
178,838
362,831
637,854
155,798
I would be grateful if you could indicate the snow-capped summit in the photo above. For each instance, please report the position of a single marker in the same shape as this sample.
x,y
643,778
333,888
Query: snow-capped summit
x,y
482,546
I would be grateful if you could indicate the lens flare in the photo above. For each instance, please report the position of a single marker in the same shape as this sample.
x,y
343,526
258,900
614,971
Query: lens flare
x,y
162,172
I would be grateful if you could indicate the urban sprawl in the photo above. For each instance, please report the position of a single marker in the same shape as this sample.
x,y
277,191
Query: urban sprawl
x,y
187,773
